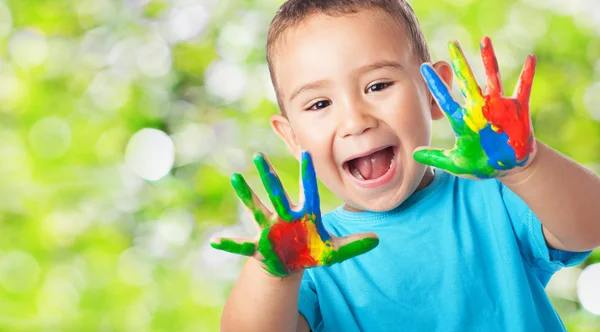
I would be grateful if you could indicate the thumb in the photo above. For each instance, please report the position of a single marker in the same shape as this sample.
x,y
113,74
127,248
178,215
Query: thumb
x,y
352,246
435,157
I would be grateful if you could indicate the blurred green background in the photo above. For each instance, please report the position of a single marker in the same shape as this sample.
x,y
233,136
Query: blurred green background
x,y
122,121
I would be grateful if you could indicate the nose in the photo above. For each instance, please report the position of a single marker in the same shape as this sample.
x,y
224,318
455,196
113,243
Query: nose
x,y
356,119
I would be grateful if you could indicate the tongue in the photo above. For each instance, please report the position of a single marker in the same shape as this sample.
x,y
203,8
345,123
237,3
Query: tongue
x,y
374,165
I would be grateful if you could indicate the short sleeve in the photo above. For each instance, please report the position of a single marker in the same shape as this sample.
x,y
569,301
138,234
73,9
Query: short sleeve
x,y
533,246
308,303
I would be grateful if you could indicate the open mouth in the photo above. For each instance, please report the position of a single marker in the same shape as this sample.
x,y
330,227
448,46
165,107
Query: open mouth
x,y
373,166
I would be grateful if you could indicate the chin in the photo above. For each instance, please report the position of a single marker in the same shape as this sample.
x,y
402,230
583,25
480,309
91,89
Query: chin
x,y
386,200
382,204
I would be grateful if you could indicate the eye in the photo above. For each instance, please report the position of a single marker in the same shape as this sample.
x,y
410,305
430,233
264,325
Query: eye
x,y
379,86
319,105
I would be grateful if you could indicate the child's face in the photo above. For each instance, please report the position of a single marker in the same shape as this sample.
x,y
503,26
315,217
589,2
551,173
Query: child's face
x,y
349,110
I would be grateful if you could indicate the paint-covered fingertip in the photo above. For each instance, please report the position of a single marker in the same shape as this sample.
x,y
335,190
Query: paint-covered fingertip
x,y
422,155
260,161
531,60
305,154
417,154
246,248
485,42
237,179
453,44
215,243
242,190
426,68
370,243
353,249
306,159
430,75
258,156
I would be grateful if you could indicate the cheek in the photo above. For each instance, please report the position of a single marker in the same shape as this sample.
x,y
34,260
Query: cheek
x,y
318,137
412,116
315,133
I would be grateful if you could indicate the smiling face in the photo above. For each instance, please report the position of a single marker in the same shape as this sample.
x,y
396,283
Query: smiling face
x,y
355,99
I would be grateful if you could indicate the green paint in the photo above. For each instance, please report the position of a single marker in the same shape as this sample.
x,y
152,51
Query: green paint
x,y
280,206
245,194
246,248
272,263
352,249
304,165
475,131
467,157
274,187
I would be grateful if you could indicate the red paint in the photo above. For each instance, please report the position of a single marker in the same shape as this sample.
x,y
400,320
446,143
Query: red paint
x,y
290,241
509,115
490,63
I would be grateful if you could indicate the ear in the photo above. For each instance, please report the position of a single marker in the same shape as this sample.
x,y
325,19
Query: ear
x,y
444,69
283,128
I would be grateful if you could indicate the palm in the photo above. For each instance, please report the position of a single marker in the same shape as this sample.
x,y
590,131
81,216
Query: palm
x,y
292,239
493,133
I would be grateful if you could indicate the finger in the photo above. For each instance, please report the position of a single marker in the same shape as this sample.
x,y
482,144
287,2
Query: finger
x,y
311,194
309,184
352,246
473,116
437,158
468,159
251,201
464,74
441,93
523,88
490,63
240,246
273,186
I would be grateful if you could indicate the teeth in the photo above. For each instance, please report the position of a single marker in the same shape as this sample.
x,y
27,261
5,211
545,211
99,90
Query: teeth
x,y
357,174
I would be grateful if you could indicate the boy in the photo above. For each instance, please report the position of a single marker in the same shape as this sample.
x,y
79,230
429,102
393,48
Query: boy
x,y
451,253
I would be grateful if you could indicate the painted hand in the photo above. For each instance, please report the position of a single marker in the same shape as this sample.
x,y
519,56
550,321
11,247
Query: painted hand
x,y
494,135
292,239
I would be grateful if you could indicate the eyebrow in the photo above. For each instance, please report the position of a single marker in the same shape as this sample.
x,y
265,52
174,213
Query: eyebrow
x,y
364,69
380,65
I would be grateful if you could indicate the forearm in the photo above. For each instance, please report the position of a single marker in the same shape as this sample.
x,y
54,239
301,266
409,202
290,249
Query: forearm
x,y
261,302
563,195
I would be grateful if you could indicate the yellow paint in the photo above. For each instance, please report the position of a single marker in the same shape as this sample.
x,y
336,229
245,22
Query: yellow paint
x,y
473,117
318,248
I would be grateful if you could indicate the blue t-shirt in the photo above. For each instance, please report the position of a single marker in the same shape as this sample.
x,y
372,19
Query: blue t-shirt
x,y
458,255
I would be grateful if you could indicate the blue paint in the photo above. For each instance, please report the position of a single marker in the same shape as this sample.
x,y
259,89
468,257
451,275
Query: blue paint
x,y
311,195
444,98
500,154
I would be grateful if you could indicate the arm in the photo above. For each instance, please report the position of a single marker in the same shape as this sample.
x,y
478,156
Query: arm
x,y
495,139
563,195
262,302
265,297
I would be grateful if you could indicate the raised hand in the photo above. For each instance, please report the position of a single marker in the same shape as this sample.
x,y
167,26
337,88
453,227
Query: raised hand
x,y
292,239
493,133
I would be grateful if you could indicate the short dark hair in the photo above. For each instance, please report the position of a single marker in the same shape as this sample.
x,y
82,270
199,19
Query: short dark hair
x,y
292,12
